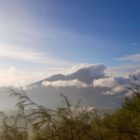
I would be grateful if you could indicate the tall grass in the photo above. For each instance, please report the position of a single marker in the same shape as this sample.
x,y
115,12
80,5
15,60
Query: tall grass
x,y
71,122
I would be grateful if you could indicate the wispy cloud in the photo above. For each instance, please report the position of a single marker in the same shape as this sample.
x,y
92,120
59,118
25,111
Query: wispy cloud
x,y
122,70
31,56
13,76
133,58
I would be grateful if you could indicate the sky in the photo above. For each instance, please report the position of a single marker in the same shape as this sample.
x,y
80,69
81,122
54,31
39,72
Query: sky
x,y
41,37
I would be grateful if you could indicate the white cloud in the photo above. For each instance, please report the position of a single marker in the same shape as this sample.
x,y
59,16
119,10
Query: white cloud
x,y
119,85
68,83
94,68
77,67
137,74
105,82
116,90
133,58
113,85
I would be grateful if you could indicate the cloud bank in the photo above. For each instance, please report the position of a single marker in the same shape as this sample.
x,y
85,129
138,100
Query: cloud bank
x,y
113,84
133,58
100,79
69,83
94,76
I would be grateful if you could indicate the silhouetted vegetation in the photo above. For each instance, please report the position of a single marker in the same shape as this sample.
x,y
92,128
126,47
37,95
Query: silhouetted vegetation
x,y
36,122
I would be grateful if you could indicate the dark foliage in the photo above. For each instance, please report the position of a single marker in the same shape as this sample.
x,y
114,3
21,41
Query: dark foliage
x,y
72,122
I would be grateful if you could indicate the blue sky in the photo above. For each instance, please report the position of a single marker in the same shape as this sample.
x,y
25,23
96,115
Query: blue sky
x,y
42,37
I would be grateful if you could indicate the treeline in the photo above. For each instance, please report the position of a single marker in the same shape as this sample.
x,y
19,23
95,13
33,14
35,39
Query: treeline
x,y
36,122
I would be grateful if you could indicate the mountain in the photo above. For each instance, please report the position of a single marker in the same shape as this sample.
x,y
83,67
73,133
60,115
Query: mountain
x,y
50,93
89,83
86,75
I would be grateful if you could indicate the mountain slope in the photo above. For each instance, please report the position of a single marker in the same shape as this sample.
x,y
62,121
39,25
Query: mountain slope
x,y
86,75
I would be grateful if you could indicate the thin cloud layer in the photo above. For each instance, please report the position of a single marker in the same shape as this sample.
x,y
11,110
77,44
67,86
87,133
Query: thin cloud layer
x,y
69,83
27,55
133,58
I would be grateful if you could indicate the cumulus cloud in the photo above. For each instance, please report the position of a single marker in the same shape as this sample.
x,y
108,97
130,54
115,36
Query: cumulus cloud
x,y
133,58
113,85
68,83
115,90
105,82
